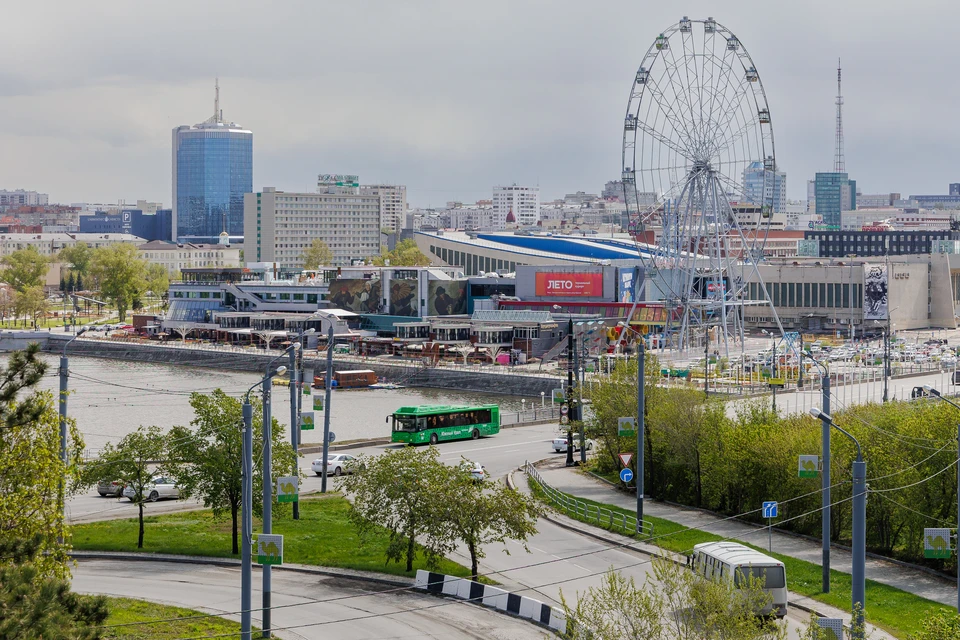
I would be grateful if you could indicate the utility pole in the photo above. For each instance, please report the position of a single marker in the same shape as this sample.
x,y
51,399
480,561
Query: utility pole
x,y
328,384
246,521
641,405
825,480
568,396
706,361
294,413
773,371
800,361
64,390
267,431
886,359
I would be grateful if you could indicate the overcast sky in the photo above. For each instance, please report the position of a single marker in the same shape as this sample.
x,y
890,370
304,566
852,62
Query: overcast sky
x,y
451,97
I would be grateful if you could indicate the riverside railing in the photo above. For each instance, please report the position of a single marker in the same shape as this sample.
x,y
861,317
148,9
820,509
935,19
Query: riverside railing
x,y
578,509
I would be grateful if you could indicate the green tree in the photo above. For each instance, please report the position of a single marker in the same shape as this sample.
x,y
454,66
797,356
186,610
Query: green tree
x,y
77,256
318,254
406,254
398,490
943,625
24,269
673,603
120,274
79,286
207,459
158,280
31,470
131,462
36,606
31,304
481,513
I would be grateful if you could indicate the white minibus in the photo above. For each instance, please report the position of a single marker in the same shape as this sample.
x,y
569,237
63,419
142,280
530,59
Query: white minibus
x,y
735,562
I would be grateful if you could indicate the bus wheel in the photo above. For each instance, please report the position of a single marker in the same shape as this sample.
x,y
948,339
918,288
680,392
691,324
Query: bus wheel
x,y
475,434
433,438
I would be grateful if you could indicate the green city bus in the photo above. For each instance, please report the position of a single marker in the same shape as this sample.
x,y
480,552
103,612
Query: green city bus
x,y
432,423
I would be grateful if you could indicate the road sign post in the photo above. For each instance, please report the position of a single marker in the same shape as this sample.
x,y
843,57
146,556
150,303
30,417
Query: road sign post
x,y
770,509
626,475
625,459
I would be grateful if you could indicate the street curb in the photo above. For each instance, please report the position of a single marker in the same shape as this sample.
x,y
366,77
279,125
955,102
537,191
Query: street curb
x,y
602,538
231,563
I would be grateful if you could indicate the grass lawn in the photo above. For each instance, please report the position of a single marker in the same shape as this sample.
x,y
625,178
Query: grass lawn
x,y
323,536
896,611
125,610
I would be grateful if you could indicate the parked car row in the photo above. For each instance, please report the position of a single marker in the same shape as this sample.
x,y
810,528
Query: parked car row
x,y
159,487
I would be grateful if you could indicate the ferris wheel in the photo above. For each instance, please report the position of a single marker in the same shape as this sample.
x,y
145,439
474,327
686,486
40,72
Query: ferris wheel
x,y
700,177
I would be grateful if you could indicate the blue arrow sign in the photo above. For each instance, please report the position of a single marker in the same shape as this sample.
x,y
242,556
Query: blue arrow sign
x,y
626,475
770,508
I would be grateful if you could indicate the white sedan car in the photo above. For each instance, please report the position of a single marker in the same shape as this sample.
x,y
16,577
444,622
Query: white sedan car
x,y
560,443
337,464
159,487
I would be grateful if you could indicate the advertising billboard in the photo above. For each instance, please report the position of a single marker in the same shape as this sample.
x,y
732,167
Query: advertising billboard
x,y
628,283
570,284
447,297
403,297
875,292
355,294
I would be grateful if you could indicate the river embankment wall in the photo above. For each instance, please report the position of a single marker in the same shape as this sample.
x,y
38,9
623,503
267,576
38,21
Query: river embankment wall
x,y
410,374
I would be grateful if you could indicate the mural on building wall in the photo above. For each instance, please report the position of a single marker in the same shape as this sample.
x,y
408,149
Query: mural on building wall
x,y
355,294
875,292
403,297
447,297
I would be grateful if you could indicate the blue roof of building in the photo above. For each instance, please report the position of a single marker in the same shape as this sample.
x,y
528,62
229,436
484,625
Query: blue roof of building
x,y
581,247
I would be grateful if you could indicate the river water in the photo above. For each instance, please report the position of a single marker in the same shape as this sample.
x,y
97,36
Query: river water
x,y
110,398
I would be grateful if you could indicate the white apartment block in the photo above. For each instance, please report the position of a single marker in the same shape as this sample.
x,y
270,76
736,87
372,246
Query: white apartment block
x,y
49,244
176,257
279,226
393,203
22,198
524,202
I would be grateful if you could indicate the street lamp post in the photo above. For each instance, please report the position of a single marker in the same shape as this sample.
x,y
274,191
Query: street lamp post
x,y
268,471
773,367
858,583
568,396
246,517
328,384
64,390
936,394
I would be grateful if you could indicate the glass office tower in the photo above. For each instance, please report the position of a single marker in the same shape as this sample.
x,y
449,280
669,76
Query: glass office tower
x,y
212,169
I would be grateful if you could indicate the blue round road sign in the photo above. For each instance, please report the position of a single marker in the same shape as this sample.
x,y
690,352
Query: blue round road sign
x,y
626,475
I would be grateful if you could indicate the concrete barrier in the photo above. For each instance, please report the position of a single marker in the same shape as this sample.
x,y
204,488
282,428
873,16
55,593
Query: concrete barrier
x,y
493,597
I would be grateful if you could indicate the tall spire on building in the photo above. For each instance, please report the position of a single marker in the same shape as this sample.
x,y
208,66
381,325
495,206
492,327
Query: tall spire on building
x,y
216,100
838,163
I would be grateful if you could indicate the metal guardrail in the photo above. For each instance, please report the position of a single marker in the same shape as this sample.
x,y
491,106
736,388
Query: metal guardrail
x,y
537,414
570,505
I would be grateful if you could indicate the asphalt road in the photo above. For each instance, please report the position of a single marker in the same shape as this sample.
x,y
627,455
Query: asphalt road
x,y
356,610
499,454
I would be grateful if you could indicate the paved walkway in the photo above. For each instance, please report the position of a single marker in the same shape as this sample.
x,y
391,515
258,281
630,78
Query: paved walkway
x,y
925,585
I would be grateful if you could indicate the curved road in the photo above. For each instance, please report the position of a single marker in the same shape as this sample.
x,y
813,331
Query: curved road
x,y
358,610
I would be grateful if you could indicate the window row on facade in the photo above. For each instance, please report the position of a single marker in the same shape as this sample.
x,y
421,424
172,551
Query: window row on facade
x,y
471,263
823,295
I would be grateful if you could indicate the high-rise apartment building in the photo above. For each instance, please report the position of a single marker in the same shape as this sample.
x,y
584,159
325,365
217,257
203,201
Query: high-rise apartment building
x,y
523,202
834,192
212,170
280,226
22,198
393,203
765,186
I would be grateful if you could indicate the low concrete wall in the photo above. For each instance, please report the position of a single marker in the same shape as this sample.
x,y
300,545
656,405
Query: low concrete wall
x,y
410,375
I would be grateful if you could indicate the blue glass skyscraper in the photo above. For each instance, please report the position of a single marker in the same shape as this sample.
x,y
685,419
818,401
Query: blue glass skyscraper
x,y
212,169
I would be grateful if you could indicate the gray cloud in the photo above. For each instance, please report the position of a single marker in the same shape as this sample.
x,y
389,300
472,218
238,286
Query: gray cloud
x,y
446,97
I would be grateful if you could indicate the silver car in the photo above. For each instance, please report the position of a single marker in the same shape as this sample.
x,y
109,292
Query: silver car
x,y
560,444
159,487
111,488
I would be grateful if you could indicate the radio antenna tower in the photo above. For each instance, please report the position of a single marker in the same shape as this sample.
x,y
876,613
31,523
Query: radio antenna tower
x,y
838,163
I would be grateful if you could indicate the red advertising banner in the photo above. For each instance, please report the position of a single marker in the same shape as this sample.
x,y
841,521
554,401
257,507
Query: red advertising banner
x,y
570,284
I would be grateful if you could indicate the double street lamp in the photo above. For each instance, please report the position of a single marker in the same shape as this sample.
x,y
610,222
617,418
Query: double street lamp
x,y
246,500
936,394
858,572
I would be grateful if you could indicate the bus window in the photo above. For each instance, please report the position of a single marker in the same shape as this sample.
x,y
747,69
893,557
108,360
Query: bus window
x,y
483,416
404,423
772,577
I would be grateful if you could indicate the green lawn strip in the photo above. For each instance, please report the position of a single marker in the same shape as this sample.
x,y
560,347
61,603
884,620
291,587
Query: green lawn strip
x,y
323,536
126,610
894,610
